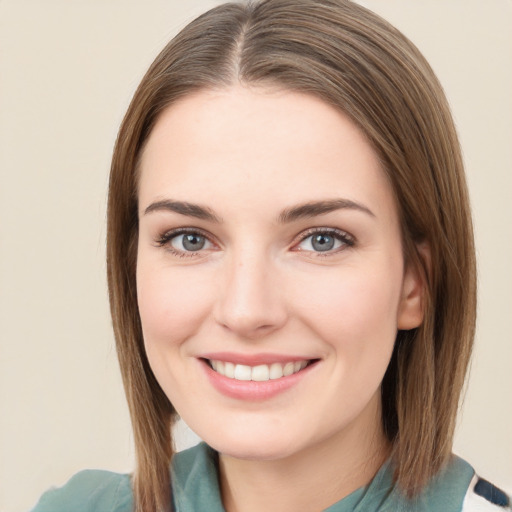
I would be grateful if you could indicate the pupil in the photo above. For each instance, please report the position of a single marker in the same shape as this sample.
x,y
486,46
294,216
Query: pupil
x,y
322,242
193,242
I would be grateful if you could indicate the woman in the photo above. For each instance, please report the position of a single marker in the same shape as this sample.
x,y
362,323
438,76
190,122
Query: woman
x,y
291,270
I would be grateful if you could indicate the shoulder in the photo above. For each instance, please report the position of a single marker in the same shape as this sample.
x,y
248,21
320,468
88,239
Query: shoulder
x,y
460,489
89,491
456,488
483,496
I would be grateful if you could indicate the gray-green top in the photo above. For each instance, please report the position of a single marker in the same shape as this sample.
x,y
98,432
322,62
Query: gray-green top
x,y
196,489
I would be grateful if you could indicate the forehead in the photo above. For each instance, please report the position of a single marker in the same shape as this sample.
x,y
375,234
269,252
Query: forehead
x,y
240,145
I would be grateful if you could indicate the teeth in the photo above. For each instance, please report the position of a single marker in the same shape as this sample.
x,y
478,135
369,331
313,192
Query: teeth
x,y
243,372
288,369
229,370
258,373
276,371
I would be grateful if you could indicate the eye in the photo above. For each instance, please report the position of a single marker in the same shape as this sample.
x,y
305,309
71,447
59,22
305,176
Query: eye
x,y
185,242
189,242
325,241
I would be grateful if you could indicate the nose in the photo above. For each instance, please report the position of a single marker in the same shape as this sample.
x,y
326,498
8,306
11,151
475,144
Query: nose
x,y
250,303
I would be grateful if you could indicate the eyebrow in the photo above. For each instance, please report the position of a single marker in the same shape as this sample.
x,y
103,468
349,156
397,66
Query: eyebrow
x,y
314,208
302,211
184,208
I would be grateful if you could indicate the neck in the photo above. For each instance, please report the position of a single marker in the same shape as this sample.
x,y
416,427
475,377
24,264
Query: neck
x,y
309,480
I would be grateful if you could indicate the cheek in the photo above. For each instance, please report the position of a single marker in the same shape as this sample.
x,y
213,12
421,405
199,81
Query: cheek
x,y
171,304
354,309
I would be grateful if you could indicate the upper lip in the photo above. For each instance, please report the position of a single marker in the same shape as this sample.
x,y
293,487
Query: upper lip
x,y
253,359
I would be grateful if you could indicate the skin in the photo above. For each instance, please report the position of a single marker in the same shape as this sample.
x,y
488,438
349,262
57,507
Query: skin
x,y
259,286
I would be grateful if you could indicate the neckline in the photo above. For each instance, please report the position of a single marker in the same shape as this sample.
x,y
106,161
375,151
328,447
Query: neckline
x,y
194,474
195,477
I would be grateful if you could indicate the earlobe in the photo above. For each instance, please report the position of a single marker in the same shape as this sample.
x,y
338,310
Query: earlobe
x,y
412,305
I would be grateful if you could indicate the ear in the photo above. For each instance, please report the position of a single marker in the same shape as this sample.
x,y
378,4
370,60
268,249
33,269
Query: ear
x,y
412,303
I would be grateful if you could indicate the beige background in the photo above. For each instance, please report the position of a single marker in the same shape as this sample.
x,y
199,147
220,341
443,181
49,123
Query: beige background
x,y
67,71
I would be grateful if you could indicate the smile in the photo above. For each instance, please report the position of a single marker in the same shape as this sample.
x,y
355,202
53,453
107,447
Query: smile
x,y
259,373
255,377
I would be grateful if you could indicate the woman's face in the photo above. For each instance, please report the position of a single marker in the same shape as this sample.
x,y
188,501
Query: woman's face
x,y
270,275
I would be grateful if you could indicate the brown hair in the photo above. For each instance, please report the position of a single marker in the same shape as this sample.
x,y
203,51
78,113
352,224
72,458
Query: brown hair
x,y
357,62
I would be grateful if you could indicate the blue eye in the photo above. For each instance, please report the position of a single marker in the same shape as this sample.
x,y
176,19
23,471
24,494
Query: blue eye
x,y
325,241
189,242
184,242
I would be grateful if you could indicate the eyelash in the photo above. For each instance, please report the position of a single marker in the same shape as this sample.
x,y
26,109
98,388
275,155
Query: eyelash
x,y
165,239
345,238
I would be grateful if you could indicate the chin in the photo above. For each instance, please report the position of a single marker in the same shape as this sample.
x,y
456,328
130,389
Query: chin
x,y
252,447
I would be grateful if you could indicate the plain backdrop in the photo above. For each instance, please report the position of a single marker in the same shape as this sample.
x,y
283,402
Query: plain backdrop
x,y
68,69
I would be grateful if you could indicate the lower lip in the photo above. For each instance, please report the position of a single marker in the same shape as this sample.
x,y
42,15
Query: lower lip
x,y
253,390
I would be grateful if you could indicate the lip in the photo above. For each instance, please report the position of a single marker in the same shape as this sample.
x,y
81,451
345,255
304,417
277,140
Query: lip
x,y
253,390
